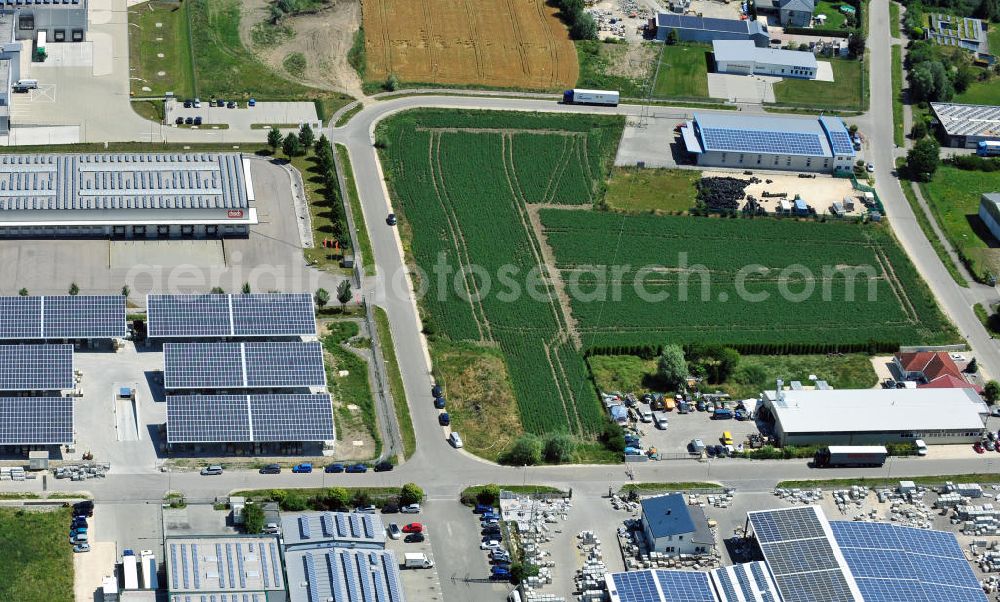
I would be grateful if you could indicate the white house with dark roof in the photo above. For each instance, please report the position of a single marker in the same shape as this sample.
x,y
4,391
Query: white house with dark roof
x,y
671,526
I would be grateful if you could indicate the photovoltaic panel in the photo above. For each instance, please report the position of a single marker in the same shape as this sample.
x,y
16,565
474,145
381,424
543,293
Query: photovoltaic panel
x,y
20,317
840,141
685,586
36,367
89,316
249,418
789,523
760,141
36,420
637,586
243,365
251,315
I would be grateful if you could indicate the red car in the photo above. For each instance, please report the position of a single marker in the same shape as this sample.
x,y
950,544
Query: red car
x,y
413,528
978,447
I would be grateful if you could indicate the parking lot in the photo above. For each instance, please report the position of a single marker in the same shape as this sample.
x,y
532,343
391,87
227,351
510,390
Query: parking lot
x,y
243,117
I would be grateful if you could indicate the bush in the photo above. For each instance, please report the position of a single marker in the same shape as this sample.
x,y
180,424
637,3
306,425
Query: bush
x,y
295,64
295,502
253,518
613,437
559,448
526,451
411,493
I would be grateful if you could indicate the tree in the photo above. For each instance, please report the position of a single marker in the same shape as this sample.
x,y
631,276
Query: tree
x,y
322,297
856,43
411,493
391,83
991,392
728,358
964,76
74,289
973,367
291,146
919,129
852,130
23,292
274,139
295,502
584,28
671,37
344,292
322,143
520,570
306,136
126,291
253,518
672,367
923,159
559,448
989,10
246,288
526,451
488,495
613,437
337,498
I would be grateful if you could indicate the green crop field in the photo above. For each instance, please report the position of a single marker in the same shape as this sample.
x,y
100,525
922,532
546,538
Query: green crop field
x,y
461,183
37,560
717,280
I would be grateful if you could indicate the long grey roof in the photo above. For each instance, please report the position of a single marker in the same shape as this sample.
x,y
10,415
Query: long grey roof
x,y
675,21
343,574
306,530
45,3
768,135
228,564
804,5
743,50
968,120
122,181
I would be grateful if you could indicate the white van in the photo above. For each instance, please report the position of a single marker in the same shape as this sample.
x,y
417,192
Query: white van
x,y
23,85
921,447
645,414
660,420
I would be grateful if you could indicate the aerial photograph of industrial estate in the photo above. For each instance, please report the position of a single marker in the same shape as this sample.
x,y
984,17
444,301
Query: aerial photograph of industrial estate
x,y
499,300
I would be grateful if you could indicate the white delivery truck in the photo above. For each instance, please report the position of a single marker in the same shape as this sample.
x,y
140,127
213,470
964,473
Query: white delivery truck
x,y
416,560
149,579
577,96
130,574
40,53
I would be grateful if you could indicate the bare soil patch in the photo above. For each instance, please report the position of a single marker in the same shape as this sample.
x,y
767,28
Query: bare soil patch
x,y
324,38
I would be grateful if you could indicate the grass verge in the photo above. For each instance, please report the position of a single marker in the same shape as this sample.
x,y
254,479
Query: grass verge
x,y
891,482
683,72
925,225
353,389
599,61
845,92
317,498
368,255
149,109
894,20
347,115
954,196
395,383
654,190
160,27
662,487
356,55
897,95
37,562
320,214
470,495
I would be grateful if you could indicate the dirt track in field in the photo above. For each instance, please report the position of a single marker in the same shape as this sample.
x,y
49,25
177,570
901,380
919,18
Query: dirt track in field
x,y
496,43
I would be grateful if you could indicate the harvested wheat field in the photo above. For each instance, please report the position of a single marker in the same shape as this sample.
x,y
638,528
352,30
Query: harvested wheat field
x,y
496,43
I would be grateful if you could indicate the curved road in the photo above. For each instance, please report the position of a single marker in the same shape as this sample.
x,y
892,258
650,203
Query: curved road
x,y
442,470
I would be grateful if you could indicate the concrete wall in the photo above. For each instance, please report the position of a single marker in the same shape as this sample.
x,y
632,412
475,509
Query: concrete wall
x,y
882,438
678,544
127,232
755,161
706,37
748,66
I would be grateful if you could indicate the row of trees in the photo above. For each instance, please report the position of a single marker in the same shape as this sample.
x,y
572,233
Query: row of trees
x,y
581,25
713,363
334,498
529,449
296,144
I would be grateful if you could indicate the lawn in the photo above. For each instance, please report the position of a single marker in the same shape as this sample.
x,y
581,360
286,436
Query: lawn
x,y
37,560
364,241
835,19
754,373
160,27
395,383
352,389
323,228
894,19
981,93
954,197
658,190
846,92
683,72
897,95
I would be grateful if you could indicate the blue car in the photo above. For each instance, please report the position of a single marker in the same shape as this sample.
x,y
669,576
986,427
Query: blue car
x,y
305,467
439,403
334,468
499,572
356,468
444,419
482,509
436,391
489,516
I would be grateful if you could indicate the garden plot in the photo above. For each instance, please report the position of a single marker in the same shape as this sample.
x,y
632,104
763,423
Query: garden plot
x,y
820,192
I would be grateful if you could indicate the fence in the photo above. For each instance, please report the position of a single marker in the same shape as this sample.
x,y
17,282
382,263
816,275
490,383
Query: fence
x,y
345,201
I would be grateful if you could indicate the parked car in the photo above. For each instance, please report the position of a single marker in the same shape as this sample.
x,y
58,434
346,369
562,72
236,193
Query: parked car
x,y
197,103
272,529
271,469
369,509
334,468
189,121
384,466
252,102
197,120
696,446
303,468
489,544
232,104
415,538
990,446
84,508
77,531
391,219
78,522
482,509
722,414
436,391
390,508
439,403
394,532
413,528
499,554
499,573
492,537
214,469
444,419
720,451
491,530
489,516
81,547
410,509
354,468
978,447
727,438
700,405
455,440
187,104
179,121
870,168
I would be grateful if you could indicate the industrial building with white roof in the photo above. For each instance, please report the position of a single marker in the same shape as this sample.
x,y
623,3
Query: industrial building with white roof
x,y
741,57
875,416
126,195
965,126
224,569
736,141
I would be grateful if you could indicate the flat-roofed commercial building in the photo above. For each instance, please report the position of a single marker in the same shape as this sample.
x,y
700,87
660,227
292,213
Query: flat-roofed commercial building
x,y
690,28
126,195
989,212
741,57
965,126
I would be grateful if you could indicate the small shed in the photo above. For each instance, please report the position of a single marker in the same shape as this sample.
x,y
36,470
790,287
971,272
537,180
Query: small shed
x,y
801,207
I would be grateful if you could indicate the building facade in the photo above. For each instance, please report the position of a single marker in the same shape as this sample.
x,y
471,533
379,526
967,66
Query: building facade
x,y
741,57
672,527
690,28
780,143
989,212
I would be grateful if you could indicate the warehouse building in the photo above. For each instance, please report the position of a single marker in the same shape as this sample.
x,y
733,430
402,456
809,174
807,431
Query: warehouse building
x,y
126,195
61,20
231,568
874,416
989,212
741,57
808,558
965,126
786,143
690,28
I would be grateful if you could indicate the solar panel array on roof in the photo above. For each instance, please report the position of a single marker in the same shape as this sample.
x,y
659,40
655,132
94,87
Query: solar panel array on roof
x,y
53,3
62,317
122,181
801,556
223,566
252,315
675,21
750,582
968,120
243,365
36,367
344,575
889,562
751,141
249,418
36,420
